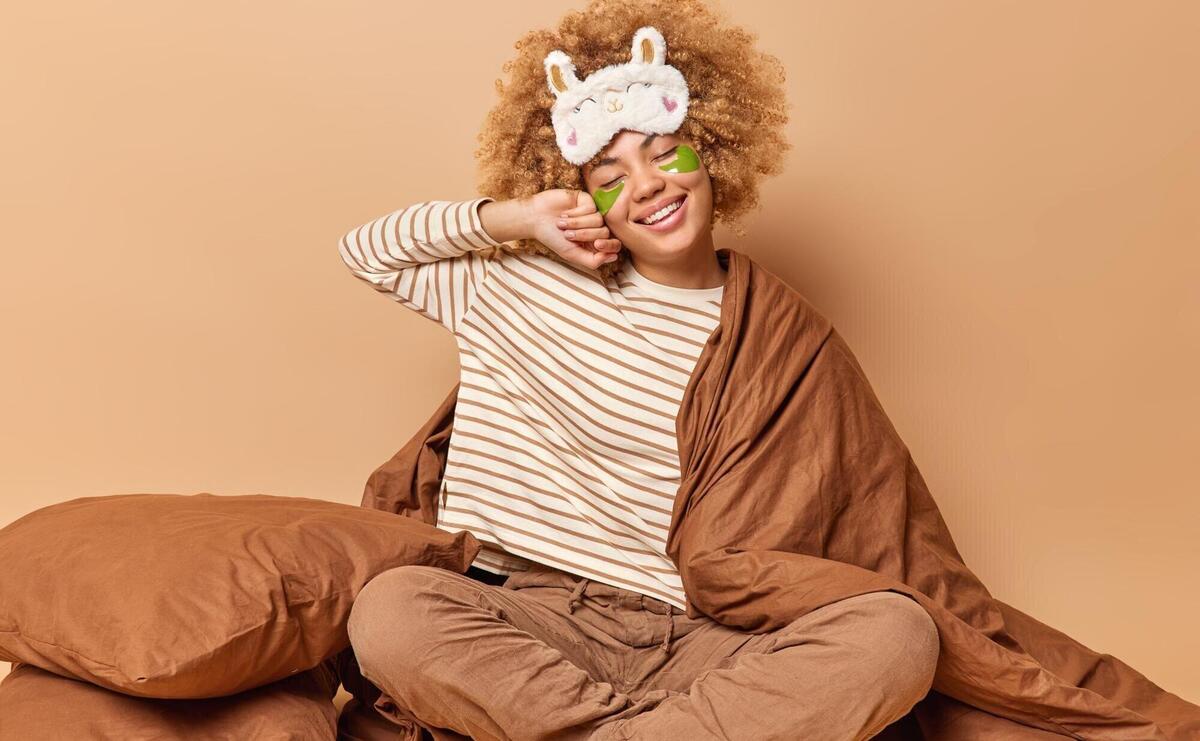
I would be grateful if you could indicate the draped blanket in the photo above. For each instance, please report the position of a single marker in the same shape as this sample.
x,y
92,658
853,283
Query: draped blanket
x,y
797,491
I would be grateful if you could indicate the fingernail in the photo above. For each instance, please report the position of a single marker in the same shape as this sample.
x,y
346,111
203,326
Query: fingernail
x,y
562,222
569,233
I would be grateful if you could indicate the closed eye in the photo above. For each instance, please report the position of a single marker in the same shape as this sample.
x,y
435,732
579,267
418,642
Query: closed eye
x,y
585,100
614,181
636,83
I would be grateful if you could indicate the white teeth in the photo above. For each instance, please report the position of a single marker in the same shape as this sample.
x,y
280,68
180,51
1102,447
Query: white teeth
x,y
661,213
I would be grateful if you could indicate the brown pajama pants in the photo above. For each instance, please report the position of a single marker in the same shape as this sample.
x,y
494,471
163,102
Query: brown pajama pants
x,y
549,655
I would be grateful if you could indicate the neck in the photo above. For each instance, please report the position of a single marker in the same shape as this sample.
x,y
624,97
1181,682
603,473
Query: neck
x,y
697,267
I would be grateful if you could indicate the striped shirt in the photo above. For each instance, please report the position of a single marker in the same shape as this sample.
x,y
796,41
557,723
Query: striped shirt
x,y
563,450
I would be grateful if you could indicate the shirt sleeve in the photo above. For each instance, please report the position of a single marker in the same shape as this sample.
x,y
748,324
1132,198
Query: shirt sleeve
x,y
425,256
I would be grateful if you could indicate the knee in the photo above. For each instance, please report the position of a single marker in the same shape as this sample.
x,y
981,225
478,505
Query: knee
x,y
385,610
904,638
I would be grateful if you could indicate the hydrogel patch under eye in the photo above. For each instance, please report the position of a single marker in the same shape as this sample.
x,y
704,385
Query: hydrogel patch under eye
x,y
605,199
686,160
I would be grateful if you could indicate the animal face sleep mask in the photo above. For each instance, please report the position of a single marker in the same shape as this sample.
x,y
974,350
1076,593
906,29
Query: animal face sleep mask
x,y
644,94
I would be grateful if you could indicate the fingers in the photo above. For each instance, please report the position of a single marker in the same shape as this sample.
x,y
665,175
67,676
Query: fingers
x,y
607,245
597,239
584,205
586,235
588,257
585,221
600,258
586,240
584,224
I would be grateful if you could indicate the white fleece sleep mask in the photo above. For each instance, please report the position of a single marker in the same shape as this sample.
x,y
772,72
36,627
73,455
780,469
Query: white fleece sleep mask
x,y
644,94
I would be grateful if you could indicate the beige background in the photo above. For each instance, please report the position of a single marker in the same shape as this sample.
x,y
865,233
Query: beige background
x,y
995,202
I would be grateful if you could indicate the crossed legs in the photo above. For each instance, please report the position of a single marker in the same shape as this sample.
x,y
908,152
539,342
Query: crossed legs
x,y
498,663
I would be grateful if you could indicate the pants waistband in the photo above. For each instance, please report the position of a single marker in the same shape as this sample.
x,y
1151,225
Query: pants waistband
x,y
541,576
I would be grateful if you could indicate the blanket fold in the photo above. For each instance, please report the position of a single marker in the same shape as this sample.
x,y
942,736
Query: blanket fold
x,y
797,491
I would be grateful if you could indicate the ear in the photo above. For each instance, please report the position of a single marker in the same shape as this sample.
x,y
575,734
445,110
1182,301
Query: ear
x,y
649,46
560,72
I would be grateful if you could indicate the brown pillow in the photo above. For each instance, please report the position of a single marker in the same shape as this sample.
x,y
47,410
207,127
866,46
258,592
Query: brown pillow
x,y
36,705
196,596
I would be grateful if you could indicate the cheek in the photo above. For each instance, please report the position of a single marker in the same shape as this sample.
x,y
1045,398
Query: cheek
x,y
617,220
700,184
696,180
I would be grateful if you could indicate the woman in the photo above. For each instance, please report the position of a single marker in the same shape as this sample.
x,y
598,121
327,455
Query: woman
x,y
575,350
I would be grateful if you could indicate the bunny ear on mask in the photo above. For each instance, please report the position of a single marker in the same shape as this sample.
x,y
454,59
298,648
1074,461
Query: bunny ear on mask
x,y
560,72
649,46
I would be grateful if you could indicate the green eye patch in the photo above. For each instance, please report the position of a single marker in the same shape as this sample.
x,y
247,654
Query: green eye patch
x,y
606,198
686,160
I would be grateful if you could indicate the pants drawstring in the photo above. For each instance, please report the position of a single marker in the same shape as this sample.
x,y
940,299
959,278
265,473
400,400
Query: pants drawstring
x,y
577,594
666,644
577,598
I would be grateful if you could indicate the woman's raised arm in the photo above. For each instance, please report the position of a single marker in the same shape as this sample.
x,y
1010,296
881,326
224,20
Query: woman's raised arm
x,y
425,256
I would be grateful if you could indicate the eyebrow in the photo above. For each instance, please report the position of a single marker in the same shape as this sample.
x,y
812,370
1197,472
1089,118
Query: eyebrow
x,y
613,160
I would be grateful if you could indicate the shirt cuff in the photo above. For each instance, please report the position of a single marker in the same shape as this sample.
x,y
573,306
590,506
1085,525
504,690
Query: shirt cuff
x,y
477,223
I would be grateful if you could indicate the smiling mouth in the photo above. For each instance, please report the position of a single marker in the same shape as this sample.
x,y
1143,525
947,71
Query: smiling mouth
x,y
678,204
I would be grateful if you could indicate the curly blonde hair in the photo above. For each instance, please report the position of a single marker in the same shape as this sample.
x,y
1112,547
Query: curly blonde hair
x,y
736,114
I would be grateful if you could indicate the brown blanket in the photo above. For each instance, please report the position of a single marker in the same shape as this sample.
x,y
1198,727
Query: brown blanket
x,y
797,491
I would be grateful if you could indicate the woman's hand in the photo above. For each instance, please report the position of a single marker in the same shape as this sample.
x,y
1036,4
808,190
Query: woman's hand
x,y
568,222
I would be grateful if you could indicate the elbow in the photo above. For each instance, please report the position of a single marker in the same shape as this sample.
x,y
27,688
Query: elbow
x,y
350,256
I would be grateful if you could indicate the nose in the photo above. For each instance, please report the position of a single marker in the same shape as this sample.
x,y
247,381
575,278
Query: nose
x,y
647,183
612,100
